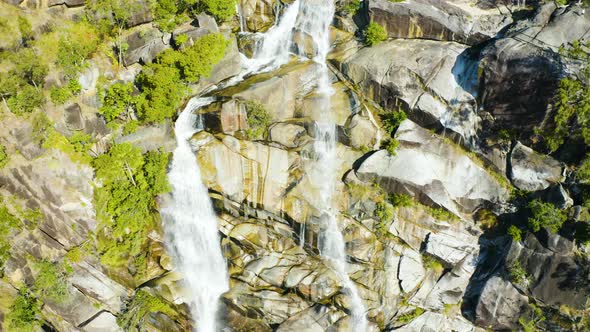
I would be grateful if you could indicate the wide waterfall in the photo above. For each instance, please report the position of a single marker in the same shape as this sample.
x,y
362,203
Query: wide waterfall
x,y
191,226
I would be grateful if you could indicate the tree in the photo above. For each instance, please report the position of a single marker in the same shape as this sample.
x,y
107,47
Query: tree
x,y
28,67
73,50
198,60
375,34
545,215
223,10
162,92
117,100
258,119
25,29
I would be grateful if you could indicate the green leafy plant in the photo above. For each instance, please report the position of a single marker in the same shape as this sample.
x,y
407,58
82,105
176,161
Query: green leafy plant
x,y
258,119
392,120
25,312
391,146
116,101
518,274
401,200
223,10
3,156
353,6
51,282
406,318
515,233
384,211
143,304
545,215
375,34
8,222
76,47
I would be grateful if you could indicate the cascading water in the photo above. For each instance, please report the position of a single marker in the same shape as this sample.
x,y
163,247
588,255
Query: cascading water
x,y
314,21
191,226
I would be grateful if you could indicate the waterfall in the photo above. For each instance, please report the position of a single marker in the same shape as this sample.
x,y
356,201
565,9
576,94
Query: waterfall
x,y
314,21
191,226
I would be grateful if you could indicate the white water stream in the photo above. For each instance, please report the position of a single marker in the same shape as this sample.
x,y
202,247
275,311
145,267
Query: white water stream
x,y
193,238
192,233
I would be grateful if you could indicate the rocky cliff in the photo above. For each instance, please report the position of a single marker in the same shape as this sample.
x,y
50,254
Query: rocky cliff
x,y
445,194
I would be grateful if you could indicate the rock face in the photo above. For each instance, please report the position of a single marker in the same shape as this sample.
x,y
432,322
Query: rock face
x,y
458,20
257,15
500,305
421,168
532,171
145,45
428,79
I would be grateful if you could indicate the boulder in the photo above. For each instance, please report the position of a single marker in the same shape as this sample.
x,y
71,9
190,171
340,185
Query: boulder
x,y
363,130
451,248
532,171
68,3
74,118
103,322
317,318
422,169
432,81
151,138
500,305
257,15
289,135
446,20
411,272
202,25
145,45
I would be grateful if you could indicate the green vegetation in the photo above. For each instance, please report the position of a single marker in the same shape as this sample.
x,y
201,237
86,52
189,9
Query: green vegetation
x,y
353,6
431,263
223,10
583,172
515,233
517,273
20,88
375,34
162,83
24,314
125,203
536,317
401,200
60,95
545,215
3,156
406,318
50,282
8,222
117,101
73,50
75,255
392,121
143,304
25,28
258,120
76,146
384,211
391,146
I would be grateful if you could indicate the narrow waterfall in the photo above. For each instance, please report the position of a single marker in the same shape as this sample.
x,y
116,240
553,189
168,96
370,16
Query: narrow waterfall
x,y
191,226
314,21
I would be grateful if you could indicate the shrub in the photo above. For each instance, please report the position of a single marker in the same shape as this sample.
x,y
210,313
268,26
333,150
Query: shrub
x,y
125,202
7,224
130,127
24,313
223,10
583,172
515,233
162,92
59,95
353,6
116,101
384,211
198,60
143,304
401,200
391,146
375,34
3,156
25,28
517,273
406,318
545,215
392,121
73,50
76,147
258,119
431,263
50,282
20,87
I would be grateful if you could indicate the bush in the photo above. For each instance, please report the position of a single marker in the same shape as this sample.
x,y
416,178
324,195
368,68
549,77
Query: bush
x,y
162,92
391,146
76,147
143,304
223,10
401,200
125,203
353,6
545,215
73,49
384,211
51,282
431,263
258,120
406,318
392,121
583,173
60,95
3,156
7,224
24,313
20,87
375,34
198,60
515,233
116,101
517,273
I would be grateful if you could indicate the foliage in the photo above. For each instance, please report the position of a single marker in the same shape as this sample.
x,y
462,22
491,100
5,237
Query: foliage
x,y
143,304
362,192
19,87
515,233
23,315
170,13
391,146
111,14
353,6
3,156
518,274
75,255
223,10
198,60
431,263
384,211
41,126
401,200
258,119
116,101
76,147
59,95
8,222
180,39
130,127
536,317
583,173
545,215
76,47
392,120
162,92
125,202
375,34
25,28
406,318
440,214
50,282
